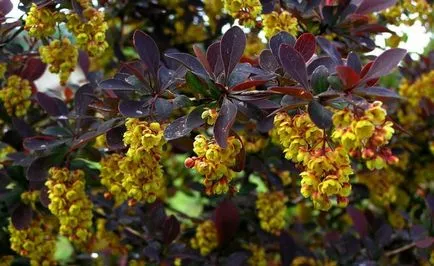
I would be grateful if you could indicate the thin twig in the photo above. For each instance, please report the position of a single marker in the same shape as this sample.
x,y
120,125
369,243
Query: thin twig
x,y
399,250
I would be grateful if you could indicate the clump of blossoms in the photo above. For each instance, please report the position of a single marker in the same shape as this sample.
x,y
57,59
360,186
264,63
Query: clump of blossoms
x,y
275,22
38,242
210,116
112,177
69,203
364,133
16,96
90,35
215,163
61,55
258,256
30,197
205,239
143,175
245,11
41,21
271,207
252,142
105,240
407,12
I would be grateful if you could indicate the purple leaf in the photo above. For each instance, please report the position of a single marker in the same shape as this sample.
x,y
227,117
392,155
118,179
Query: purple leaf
x,y
5,7
384,63
225,120
329,49
418,232
369,6
295,91
201,56
293,63
227,219
238,258
267,61
359,221
213,55
24,129
325,61
147,50
171,229
82,98
184,125
280,38
41,143
430,202
232,48
33,69
425,243
348,76
22,216
288,248
383,236
378,92
114,138
53,106
248,84
131,108
353,61
163,108
306,45
190,62
38,169
116,84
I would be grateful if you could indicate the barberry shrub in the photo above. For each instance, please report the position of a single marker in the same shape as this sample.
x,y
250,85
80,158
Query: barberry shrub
x,y
215,132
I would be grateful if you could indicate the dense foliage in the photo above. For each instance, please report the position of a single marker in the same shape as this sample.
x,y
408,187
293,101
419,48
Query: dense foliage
x,y
215,132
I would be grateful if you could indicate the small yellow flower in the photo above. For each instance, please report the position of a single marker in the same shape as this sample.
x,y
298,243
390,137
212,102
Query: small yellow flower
x,y
205,239
271,208
275,22
16,96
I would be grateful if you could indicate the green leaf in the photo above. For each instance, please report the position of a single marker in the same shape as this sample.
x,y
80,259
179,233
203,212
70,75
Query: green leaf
x,y
195,84
335,82
64,250
319,80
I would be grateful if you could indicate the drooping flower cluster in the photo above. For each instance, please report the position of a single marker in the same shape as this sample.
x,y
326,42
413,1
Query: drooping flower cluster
x,y
215,163
275,22
30,197
205,239
90,35
245,11
105,240
16,96
365,133
61,55
41,21
112,177
271,208
258,256
69,202
37,242
407,12
252,141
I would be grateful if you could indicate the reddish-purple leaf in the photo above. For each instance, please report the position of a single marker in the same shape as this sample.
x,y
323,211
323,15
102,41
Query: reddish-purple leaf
x,y
84,62
359,221
425,243
5,7
306,45
201,56
41,143
227,219
267,61
369,6
214,58
320,116
293,63
115,137
348,76
116,84
232,48
130,108
288,248
430,202
295,91
248,84
22,216
370,28
384,63
190,62
280,38
353,61
171,229
83,98
378,92
147,50
43,197
329,49
53,106
225,120
25,130
33,69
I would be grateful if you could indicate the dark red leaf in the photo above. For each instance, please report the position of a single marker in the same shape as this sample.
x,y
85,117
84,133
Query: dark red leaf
x,y
5,7
248,84
370,28
306,45
280,38
359,221
147,50
171,229
214,58
22,216
321,116
348,76
232,48
369,6
295,91
53,106
225,120
384,63
201,56
33,69
227,219
293,63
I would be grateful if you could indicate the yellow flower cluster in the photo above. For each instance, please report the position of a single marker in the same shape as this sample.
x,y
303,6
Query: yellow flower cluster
x,y
206,238
258,257
90,35
409,11
213,9
214,163
364,134
254,46
326,171
4,152
37,242
69,202
309,261
41,21
186,33
107,240
16,96
210,116
383,186
275,22
142,173
271,208
252,142
3,69
112,177
246,11
30,197
61,56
